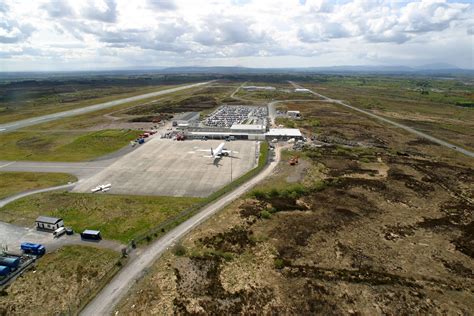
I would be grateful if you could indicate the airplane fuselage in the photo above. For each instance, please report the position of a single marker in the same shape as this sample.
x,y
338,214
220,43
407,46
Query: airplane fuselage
x,y
218,152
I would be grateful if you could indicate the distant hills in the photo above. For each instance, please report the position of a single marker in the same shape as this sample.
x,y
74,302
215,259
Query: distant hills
x,y
437,69
429,69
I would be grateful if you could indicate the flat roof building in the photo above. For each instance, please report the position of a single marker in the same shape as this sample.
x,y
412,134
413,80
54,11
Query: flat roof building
x,y
284,133
49,223
248,128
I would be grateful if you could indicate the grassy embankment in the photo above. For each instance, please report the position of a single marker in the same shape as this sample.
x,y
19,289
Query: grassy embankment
x,y
15,182
54,103
64,278
437,107
118,217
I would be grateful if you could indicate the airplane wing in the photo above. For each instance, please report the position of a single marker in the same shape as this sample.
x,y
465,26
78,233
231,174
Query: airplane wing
x,y
229,151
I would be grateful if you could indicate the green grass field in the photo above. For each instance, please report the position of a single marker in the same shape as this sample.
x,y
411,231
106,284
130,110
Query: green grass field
x,y
15,182
66,277
62,146
118,217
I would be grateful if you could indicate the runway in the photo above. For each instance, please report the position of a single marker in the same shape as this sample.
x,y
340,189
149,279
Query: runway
x,y
12,126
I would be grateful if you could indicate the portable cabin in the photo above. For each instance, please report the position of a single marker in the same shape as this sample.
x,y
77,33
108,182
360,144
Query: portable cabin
x,y
91,234
49,223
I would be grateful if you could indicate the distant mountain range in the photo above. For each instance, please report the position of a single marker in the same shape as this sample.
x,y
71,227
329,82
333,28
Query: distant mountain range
x,y
439,69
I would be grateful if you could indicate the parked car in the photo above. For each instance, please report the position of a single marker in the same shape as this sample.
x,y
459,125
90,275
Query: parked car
x,y
69,231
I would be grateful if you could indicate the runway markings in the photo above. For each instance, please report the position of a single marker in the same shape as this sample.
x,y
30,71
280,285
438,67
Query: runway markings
x,y
7,164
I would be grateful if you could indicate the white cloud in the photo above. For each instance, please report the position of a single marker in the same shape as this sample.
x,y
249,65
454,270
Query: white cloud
x,y
58,9
162,4
280,33
104,11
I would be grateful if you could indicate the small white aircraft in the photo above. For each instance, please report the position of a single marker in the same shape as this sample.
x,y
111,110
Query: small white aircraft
x,y
102,188
219,152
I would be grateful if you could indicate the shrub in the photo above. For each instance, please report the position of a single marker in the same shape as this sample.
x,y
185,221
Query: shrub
x,y
265,214
227,256
279,263
274,193
179,250
320,185
259,195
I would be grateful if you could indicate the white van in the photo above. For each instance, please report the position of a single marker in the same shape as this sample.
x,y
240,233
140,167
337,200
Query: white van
x,y
58,232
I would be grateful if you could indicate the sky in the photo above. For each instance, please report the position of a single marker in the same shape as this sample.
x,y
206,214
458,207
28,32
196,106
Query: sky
x,y
61,35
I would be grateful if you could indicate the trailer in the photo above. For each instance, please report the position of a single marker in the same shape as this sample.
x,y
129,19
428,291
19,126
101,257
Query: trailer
x,y
31,248
89,234
11,262
4,270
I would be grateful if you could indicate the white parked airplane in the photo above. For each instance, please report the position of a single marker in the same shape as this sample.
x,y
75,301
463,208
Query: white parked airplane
x,y
218,152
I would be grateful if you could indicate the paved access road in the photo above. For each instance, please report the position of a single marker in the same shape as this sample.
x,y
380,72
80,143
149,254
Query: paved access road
x,y
8,127
407,128
109,297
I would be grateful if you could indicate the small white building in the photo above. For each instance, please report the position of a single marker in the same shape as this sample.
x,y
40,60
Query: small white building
x,y
49,223
284,133
294,114
301,90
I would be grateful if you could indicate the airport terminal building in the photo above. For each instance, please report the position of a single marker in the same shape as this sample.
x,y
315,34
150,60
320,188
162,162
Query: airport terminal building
x,y
238,122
